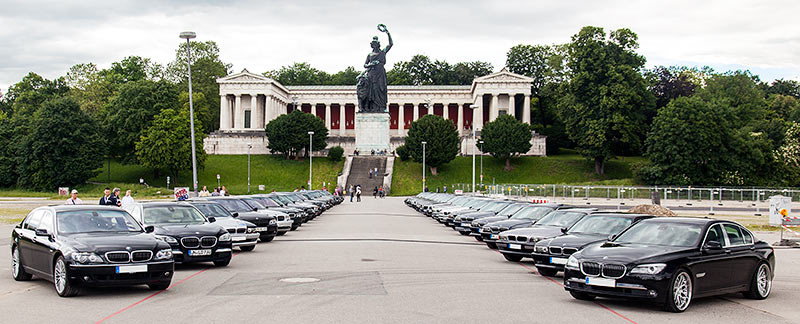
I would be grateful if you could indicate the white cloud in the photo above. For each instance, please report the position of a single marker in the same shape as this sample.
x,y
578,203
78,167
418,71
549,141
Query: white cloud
x,y
48,37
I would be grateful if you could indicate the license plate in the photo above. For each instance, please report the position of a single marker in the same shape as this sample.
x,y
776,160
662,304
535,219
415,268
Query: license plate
x,y
239,238
515,246
199,252
558,260
493,236
602,282
261,229
465,225
132,268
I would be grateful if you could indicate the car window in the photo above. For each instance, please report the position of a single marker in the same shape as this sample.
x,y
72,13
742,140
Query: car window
x,y
748,238
661,233
715,234
33,219
173,215
46,222
212,210
561,218
601,225
83,221
734,234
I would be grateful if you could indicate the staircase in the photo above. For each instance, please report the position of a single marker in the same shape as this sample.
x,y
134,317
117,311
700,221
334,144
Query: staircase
x,y
359,173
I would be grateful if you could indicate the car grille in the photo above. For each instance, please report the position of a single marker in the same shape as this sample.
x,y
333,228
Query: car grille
x,y
241,230
281,218
141,256
555,250
190,242
208,241
608,270
118,257
495,229
569,251
231,230
512,238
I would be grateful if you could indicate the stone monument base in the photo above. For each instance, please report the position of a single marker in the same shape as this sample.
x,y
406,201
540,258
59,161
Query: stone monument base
x,y
372,132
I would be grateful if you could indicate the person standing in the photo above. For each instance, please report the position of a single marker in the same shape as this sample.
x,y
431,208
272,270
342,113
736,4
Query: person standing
x,y
358,193
202,193
107,199
223,191
115,195
215,193
74,200
352,193
445,188
127,202
375,193
370,173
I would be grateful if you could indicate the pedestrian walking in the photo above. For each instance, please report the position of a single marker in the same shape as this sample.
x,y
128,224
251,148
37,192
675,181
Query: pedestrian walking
x,y
74,200
352,193
108,199
445,189
370,173
127,202
381,193
358,193
223,191
375,193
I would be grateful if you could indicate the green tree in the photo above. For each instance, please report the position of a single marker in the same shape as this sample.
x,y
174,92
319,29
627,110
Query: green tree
x,y
789,154
348,76
132,110
288,134
783,87
506,137
605,99
441,138
299,74
133,68
9,140
202,111
740,91
62,148
782,106
465,72
335,153
26,96
166,143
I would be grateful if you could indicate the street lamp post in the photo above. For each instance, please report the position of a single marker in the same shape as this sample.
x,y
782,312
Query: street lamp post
x,y
188,36
474,144
310,137
423,165
481,143
249,146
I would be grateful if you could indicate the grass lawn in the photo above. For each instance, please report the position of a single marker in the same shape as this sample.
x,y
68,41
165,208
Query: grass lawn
x,y
568,168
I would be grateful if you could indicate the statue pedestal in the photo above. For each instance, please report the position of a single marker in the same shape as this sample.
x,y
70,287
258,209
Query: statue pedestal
x,y
372,132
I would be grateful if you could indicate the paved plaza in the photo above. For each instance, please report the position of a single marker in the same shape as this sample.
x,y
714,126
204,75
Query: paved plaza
x,y
376,261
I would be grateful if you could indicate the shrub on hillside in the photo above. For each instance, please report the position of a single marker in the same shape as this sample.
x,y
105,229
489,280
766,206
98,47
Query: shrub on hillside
x,y
335,153
402,152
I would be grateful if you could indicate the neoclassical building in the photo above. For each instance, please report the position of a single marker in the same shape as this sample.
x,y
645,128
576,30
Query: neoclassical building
x,y
249,101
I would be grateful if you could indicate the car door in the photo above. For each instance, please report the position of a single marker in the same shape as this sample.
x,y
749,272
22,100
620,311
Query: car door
x,y
711,268
27,234
42,245
744,259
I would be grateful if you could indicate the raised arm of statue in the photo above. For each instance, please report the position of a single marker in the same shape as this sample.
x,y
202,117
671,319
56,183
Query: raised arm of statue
x,y
388,47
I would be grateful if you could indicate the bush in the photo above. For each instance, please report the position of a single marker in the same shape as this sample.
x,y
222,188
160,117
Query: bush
x,y
402,152
335,153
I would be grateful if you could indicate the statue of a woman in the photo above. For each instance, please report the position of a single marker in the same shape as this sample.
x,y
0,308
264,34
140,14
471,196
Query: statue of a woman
x,y
371,86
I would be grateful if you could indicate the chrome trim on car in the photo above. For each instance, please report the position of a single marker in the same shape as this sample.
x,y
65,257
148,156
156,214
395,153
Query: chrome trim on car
x,y
601,269
223,250
76,265
123,252
192,246
208,245
150,257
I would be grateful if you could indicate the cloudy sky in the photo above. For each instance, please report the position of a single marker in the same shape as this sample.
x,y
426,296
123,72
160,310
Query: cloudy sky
x,y
47,37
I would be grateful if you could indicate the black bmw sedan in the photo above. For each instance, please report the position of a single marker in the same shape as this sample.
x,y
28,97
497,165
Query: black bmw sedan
x,y
671,261
75,246
192,236
267,225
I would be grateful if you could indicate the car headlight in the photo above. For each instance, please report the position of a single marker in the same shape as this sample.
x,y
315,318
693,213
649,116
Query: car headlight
x,y
86,257
540,249
503,238
475,224
251,230
651,268
572,263
534,239
168,239
273,222
164,254
225,237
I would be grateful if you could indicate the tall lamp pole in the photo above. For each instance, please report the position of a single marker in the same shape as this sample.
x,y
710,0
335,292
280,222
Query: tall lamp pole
x,y
249,146
474,144
188,36
481,143
423,165
310,137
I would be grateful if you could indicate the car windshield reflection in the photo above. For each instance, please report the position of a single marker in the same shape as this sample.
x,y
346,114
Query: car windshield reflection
x,y
661,233
90,221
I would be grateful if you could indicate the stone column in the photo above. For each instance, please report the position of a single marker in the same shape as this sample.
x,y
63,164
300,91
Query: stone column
x,y
254,115
445,111
328,116
512,105
224,113
416,112
238,112
401,116
526,109
477,115
342,121
460,125
494,110
267,110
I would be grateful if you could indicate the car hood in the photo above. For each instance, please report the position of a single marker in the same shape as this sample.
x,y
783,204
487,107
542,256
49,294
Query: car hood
x,y
254,217
272,212
540,232
628,253
473,215
228,222
576,240
211,229
510,223
104,242
489,219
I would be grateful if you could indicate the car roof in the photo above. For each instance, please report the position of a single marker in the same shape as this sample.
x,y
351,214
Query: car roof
x,y
620,214
59,208
685,220
165,203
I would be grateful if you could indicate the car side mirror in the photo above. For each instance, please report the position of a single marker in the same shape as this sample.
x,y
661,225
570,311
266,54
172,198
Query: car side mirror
x,y
713,246
212,219
149,229
564,230
42,232
255,209
235,214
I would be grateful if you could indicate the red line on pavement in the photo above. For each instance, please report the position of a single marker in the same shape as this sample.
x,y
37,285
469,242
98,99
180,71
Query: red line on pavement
x,y
562,285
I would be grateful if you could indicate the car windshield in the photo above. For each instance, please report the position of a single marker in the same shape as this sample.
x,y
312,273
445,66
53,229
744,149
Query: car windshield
x,y
212,210
234,205
267,202
89,221
173,215
277,200
662,233
254,203
560,218
511,209
533,213
293,198
495,206
601,225
478,204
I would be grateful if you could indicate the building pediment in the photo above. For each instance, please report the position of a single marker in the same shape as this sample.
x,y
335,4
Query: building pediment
x,y
244,76
503,75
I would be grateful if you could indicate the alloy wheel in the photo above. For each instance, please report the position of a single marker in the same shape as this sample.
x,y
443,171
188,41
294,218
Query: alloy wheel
x,y
682,291
60,276
763,280
15,262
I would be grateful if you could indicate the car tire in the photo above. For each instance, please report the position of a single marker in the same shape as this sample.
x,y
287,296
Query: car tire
x,y
547,272
679,292
159,286
582,295
247,248
281,233
491,245
761,284
512,257
222,263
17,270
267,238
463,232
479,239
294,227
61,279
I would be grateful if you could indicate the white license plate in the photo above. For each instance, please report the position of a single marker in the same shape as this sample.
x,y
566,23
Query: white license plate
x,y
239,238
558,260
602,282
132,268
199,252
515,246
261,229
464,224
493,236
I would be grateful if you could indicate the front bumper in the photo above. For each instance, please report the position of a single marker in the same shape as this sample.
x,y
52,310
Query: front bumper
x,y
245,239
646,287
550,261
106,275
285,225
221,252
522,249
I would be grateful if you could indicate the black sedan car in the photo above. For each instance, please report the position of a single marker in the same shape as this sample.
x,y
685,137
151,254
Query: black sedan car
x,y
490,231
672,260
192,236
267,225
75,246
518,243
244,234
551,255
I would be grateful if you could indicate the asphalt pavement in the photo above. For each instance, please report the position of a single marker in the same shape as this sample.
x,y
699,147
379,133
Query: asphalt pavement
x,y
377,261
